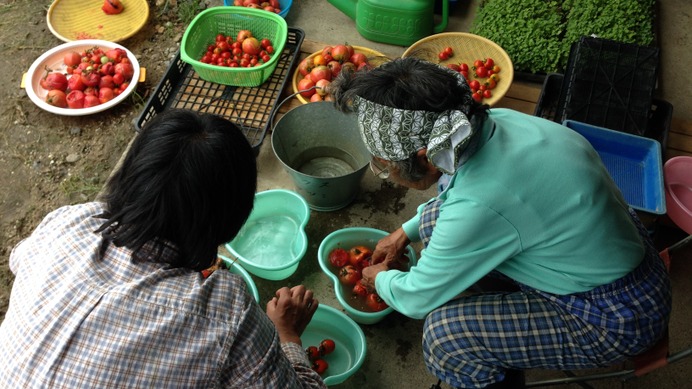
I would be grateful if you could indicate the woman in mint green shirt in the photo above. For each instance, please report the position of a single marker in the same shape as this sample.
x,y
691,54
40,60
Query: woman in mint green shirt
x,y
528,205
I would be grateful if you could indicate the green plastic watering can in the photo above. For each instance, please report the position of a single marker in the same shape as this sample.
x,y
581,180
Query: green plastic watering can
x,y
400,22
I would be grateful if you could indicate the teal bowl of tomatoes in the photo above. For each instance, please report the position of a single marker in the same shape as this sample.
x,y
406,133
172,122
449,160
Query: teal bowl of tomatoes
x,y
342,255
335,344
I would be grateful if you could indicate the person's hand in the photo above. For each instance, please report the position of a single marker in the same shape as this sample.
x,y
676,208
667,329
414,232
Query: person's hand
x,y
391,248
291,310
369,273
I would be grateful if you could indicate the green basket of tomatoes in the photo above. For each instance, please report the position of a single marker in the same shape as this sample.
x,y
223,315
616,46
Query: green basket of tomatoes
x,y
234,46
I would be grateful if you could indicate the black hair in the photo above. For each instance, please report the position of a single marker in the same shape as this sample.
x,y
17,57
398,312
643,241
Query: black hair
x,y
407,83
188,179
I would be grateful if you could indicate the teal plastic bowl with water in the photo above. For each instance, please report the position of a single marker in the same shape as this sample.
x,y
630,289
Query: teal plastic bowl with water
x,y
350,350
235,268
273,240
347,238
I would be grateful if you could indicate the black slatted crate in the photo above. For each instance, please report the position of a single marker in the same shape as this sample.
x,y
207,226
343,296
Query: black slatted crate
x,y
610,84
551,102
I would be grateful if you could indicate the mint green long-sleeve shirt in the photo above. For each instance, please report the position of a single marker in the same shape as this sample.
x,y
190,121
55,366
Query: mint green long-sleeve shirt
x,y
535,203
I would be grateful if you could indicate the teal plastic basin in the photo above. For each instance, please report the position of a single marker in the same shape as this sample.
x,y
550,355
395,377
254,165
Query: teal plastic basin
x,y
350,350
347,238
273,240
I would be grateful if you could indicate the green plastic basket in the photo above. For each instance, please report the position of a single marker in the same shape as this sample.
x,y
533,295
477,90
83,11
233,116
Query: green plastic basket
x,y
207,24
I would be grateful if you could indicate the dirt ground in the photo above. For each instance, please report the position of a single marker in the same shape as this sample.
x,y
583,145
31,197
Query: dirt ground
x,y
49,160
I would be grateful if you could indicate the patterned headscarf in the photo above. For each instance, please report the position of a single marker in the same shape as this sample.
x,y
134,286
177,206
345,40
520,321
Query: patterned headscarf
x,y
394,134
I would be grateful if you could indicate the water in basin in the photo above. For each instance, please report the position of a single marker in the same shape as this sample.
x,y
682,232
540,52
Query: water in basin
x,y
268,241
325,162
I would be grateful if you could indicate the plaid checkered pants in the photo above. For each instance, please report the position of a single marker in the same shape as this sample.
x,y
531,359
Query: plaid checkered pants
x,y
470,341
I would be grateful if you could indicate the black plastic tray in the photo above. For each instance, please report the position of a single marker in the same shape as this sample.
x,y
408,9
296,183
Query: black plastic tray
x,y
250,108
657,121
610,84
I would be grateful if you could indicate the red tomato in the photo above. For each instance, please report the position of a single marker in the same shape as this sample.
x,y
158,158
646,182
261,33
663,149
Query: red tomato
x,y
106,95
338,257
106,82
265,43
118,78
490,83
487,94
360,290
312,353
481,72
477,96
375,303
91,79
91,91
126,69
464,67
320,366
75,99
107,69
327,346
358,254
489,63
443,56
454,67
57,98
91,101
449,51
72,59
56,81
349,275
474,85
478,63
112,7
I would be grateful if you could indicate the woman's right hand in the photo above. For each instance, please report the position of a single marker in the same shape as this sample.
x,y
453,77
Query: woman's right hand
x,y
291,310
391,248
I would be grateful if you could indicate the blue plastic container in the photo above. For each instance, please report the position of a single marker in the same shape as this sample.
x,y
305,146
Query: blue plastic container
x,y
285,6
634,162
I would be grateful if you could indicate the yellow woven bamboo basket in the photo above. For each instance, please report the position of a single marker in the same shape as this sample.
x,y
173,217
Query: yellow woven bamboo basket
x,y
467,48
71,20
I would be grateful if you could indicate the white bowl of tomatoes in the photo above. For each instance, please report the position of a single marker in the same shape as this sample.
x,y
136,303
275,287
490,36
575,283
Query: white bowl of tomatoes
x,y
82,77
342,255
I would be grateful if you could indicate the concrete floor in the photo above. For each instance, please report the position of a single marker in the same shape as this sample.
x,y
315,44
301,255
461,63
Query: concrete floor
x,y
394,355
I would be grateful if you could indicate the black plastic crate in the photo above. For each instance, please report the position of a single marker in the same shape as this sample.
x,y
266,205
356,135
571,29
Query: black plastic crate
x,y
610,84
657,121
251,108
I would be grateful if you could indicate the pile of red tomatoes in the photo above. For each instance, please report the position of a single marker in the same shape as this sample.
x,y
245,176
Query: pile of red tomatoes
x,y
349,265
482,76
243,50
268,5
318,70
94,76
316,355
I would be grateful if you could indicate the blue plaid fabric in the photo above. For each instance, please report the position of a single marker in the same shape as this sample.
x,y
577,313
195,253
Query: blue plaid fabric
x,y
471,341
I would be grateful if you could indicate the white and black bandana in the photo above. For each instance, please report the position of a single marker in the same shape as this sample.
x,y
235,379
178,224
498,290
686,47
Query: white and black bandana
x,y
394,134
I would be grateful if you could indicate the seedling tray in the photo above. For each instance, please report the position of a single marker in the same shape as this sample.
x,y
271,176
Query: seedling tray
x,y
551,102
251,108
634,163
610,84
